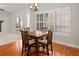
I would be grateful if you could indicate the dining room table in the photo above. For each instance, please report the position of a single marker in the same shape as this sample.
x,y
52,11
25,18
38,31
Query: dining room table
x,y
37,35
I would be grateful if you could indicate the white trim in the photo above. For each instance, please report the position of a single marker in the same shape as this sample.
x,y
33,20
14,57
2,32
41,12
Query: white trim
x,y
66,44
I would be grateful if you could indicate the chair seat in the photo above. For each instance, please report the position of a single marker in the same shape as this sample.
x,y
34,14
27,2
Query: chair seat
x,y
44,41
31,41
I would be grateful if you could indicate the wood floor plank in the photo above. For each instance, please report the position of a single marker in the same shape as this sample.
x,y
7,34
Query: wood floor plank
x,y
14,49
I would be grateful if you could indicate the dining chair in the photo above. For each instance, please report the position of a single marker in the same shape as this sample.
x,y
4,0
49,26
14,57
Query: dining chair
x,y
46,42
44,29
26,44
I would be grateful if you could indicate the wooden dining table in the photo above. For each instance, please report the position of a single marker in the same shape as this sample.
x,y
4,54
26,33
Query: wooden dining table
x,y
37,35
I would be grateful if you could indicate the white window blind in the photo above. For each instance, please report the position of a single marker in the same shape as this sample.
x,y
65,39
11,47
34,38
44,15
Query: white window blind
x,y
62,22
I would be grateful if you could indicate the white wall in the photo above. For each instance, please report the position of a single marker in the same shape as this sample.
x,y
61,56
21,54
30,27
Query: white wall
x,y
6,18
74,39
32,20
74,24
24,13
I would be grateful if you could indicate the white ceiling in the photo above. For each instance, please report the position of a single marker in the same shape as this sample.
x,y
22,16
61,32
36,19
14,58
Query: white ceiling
x,y
13,7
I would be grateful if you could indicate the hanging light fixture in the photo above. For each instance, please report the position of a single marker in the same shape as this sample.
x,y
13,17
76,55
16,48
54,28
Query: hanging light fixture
x,y
34,7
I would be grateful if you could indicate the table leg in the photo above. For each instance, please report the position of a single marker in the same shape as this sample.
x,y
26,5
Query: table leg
x,y
37,47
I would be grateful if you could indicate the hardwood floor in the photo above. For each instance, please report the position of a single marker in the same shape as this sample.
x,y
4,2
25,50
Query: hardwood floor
x,y
14,49
60,49
10,49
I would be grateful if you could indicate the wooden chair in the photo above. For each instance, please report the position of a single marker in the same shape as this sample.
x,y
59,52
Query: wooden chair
x,y
44,29
46,42
26,44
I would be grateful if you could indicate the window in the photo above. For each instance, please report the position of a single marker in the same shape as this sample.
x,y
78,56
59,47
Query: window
x,y
62,22
41,20
19,23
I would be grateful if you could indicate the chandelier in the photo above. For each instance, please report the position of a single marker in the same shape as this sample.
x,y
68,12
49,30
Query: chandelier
x,y
34,7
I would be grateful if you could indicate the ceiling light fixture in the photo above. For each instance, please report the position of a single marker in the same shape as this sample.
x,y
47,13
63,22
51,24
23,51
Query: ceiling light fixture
x,y
34,7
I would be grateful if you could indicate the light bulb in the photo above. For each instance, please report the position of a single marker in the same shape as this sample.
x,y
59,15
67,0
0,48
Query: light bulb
x,y
36,4
31,7
37,7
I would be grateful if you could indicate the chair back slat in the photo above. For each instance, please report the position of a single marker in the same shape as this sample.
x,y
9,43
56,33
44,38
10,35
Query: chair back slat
x,y
49,36
24,34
